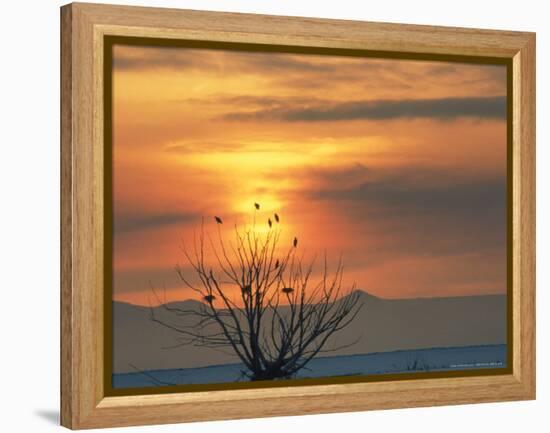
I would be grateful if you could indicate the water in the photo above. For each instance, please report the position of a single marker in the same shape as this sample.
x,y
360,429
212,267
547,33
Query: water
x,y
401,361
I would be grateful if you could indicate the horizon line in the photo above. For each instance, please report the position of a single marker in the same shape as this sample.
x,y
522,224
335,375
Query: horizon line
x,y
357,290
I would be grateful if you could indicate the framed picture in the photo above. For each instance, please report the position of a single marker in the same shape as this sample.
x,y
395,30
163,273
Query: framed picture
x,y
269,216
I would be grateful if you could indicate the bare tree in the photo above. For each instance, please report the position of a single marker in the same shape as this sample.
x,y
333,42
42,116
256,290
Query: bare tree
x,y
261,303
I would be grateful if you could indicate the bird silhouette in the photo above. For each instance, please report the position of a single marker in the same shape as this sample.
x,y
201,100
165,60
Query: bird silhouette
x,y
295,243
269,222
276,217
287,290
218,220
209,298
257,205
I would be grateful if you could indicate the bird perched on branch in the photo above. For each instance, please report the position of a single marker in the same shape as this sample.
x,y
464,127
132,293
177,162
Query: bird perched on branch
x,y
218,220
269,222
257,206
276,217
287,290
295,243
209,298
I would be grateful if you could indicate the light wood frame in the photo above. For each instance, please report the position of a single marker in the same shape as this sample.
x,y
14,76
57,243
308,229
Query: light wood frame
x,y
83,402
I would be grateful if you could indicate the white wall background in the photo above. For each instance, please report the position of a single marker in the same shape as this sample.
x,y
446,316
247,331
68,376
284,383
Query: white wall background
x,y
29,216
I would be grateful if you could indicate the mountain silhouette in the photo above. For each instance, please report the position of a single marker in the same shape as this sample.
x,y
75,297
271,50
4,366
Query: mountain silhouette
x,y
383,325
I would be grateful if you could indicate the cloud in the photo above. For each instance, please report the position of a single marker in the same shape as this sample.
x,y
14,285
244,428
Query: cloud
x,y
145,279
420,211
205,147
403,191
140,58
330,178
493,107
131,222
255,101
272,62
142,279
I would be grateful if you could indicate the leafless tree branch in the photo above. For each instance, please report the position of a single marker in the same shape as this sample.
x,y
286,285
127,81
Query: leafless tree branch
x,y
281,321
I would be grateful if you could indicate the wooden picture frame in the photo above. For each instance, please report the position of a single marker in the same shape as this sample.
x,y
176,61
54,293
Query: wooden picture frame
x,y
84,27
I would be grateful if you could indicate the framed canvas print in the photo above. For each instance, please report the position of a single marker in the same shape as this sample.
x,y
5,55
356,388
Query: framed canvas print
x,y
310,215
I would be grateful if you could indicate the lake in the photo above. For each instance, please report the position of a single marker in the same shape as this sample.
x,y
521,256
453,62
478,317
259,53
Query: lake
x,y
399,361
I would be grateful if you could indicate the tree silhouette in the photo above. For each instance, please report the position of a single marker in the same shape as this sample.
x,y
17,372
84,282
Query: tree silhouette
x,y
259,302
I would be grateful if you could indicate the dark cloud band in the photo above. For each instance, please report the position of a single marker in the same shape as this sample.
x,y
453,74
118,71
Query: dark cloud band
x,y
493,107
139,221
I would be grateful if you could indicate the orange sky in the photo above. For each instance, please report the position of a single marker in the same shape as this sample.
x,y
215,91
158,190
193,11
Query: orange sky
x,y
400,166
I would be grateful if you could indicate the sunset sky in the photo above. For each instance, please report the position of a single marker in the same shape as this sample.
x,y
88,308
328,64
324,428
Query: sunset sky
x,y
397,165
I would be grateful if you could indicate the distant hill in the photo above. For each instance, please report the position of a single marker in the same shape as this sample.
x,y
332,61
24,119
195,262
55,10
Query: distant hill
x,y
383,324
